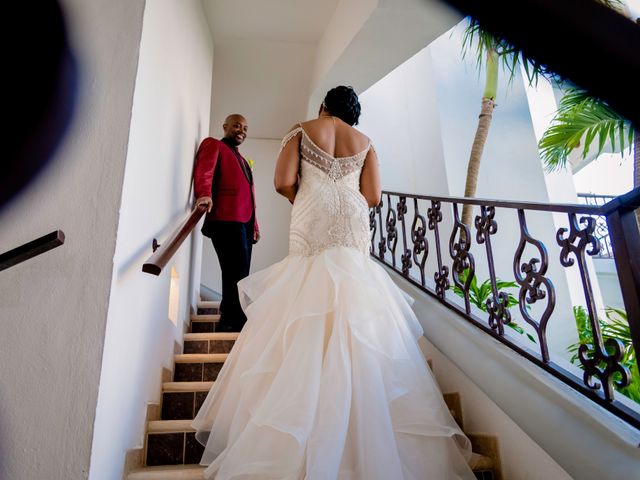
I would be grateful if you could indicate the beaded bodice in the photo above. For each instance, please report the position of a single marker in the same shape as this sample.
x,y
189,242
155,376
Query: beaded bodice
x,y
329,210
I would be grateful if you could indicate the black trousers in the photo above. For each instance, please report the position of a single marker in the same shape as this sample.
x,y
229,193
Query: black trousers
x,y
233,242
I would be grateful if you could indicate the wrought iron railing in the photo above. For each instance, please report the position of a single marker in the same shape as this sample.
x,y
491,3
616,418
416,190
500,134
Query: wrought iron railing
x,y
601,229
406,229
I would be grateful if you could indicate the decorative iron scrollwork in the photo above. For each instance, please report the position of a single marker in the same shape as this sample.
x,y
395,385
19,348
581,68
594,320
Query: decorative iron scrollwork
x,y
531,278
463,262
382,243
406,252
373,228
532,269
485,224
419,240
602,360
585,238
434,214
442,281
392,231
441,277
497,304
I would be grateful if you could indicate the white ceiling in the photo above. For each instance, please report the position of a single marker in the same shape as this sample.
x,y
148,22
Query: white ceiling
x,y
300,21
275,59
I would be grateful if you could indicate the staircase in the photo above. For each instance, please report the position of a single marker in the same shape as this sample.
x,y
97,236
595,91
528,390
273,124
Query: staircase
x,y
171,451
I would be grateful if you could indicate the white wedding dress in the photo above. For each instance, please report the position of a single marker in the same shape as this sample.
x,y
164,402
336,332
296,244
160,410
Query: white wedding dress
x,y
326,380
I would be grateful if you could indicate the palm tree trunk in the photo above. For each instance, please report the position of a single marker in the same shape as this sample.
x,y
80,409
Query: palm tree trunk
x,y
484,122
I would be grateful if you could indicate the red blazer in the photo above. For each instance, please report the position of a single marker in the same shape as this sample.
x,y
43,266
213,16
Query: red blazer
x,y
231,188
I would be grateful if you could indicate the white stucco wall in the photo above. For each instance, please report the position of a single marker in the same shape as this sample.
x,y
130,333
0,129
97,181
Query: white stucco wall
x,y
170,115
399,114
266,81
54,307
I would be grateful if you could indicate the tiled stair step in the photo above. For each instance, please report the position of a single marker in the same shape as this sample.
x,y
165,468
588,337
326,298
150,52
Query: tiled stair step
x,y
198,367
209,342
172,442
167,433
182,400
208,307
204,323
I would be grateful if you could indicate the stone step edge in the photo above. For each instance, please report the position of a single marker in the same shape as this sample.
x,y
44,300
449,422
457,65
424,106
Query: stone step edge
x,y
209,304
204,318
190,337
200,357
186,387
169,426
168,472
196,472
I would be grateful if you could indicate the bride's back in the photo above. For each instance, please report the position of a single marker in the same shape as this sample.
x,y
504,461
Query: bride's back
x,y
335,137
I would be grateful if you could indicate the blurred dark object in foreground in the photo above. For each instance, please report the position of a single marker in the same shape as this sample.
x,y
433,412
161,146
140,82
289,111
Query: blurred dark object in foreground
x,y
581,40
42,77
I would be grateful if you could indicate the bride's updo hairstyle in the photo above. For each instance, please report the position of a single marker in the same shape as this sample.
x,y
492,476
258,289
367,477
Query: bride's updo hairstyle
x,y
342,102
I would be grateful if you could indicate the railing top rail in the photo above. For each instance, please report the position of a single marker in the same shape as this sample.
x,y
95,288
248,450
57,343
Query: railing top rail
x,y
628,200
161,256
594,195
31,249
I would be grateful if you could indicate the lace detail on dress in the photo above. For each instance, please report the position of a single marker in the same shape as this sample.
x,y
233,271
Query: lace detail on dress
x,y
329,210
335,167
287,138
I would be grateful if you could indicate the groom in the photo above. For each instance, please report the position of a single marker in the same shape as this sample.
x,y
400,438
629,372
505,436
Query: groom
x,y
223,182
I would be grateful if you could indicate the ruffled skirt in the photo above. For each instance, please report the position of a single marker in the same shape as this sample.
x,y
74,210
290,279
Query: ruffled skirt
x,y
326,381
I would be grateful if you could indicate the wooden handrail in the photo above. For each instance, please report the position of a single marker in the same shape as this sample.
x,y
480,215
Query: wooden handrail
x,y
162,254
31,249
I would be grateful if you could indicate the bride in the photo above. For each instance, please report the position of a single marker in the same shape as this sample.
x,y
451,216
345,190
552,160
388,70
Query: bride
x,y
326,380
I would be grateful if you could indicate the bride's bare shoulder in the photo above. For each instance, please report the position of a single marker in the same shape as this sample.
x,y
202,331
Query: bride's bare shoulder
x,y
321,124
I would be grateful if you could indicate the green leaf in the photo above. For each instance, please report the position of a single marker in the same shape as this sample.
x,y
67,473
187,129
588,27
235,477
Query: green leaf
x,y
579,117
516,327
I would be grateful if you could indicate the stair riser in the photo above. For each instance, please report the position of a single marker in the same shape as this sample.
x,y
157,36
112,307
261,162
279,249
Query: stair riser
x,y
196,372
181,405
208,311
208,346
203,327
173,449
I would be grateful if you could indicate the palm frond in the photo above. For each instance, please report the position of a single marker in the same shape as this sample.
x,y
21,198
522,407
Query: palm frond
x,y
581,119
478,40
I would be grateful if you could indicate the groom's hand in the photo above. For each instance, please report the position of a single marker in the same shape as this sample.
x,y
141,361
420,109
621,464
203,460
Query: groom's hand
x,y
256,236
206,201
